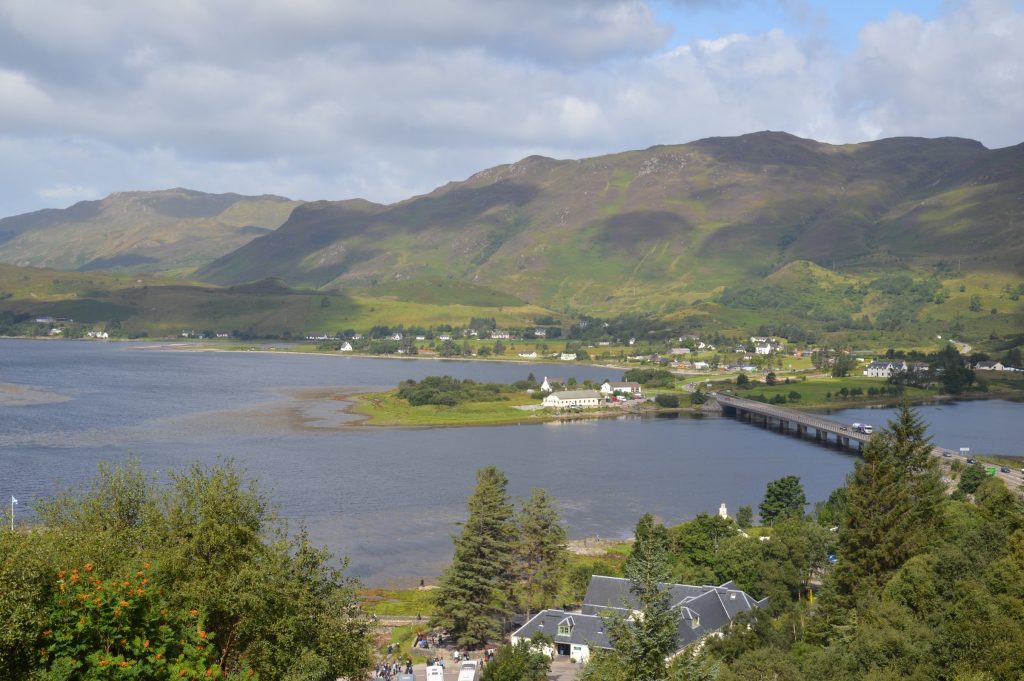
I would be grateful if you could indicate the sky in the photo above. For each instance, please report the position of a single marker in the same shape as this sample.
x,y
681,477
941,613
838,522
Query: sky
x,y
334,99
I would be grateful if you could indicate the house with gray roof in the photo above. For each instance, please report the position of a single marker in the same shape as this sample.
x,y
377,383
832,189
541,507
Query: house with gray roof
x,y
703,610
577,399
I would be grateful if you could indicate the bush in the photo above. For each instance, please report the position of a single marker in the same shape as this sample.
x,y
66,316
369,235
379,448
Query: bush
x,y
667,400
448,392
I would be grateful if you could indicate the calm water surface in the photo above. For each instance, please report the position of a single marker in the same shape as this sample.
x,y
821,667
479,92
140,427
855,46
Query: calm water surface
x,y
388,498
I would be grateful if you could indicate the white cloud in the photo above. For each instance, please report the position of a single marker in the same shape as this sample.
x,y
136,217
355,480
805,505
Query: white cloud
x,y
325,99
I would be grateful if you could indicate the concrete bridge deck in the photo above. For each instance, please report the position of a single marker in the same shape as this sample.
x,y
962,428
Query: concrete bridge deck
x,y
842,433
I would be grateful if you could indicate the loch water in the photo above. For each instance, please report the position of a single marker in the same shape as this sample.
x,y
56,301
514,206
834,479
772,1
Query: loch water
x,y
388,498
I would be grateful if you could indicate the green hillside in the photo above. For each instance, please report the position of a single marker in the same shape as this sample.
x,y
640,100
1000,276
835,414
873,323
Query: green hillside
x,y
143,304
681,230
172,231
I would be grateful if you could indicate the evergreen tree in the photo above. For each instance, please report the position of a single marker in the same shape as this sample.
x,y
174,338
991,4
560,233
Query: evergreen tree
x,y
541,549
745,517
783,498
475,591
644,641
893,496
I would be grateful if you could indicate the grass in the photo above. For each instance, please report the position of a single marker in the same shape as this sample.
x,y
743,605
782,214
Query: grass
x,y
814,391
386,409
407,602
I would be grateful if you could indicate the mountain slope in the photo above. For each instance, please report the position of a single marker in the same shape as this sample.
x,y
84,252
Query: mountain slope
x,y
657,229
172,231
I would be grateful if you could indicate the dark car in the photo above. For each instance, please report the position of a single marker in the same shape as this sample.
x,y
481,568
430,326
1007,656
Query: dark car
x,y
1004,469
971,460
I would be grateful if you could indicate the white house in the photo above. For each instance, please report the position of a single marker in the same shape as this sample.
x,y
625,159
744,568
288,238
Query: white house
x,y
528,355
988,365
679,351
629,387
700,364
444,337
500,335
567,356
584,399
345,347
395,336
98,334
540,333
763,349
702,610
884,369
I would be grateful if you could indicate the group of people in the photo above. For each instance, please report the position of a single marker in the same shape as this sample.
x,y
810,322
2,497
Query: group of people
x,y
388,670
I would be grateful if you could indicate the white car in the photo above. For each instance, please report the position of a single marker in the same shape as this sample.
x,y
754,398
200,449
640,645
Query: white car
x,y
435,672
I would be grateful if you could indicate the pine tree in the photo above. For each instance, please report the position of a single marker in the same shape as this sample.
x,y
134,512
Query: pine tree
x,y
783,498
541,549
893,497
644,641
475,591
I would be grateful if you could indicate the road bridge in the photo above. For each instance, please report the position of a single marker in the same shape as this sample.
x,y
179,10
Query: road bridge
x,y
801,423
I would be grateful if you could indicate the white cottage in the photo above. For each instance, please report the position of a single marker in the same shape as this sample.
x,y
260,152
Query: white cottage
x,y
580,399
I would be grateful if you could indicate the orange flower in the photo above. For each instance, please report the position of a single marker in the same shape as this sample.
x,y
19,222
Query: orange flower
x,y
124,585
48,633
87,567
158,656
139,573
145,644
74,577
144,582
209,672
60,575
193,612
124,604
182,673
145,565
125,663
104,663
202,634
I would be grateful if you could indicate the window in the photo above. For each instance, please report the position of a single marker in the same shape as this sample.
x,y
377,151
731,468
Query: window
x,y
564,629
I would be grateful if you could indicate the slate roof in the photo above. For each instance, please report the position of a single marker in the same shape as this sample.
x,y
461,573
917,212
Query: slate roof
x,y
576,394
586,629
703,609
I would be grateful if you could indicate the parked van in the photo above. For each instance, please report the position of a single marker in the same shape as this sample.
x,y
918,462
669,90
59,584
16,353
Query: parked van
x,y
435,672
469,670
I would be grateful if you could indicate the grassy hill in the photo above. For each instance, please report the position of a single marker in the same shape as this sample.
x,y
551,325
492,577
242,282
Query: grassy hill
x,y
172,232
164,306
712,229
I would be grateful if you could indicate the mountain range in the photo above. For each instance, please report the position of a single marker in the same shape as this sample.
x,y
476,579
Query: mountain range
x,y
170,232
725,231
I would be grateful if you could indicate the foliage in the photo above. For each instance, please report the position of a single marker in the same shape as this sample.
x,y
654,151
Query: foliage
x,y
783,498
642,643
971,479
474,591
517,662
123,627
448,391
540,552
667,400
745,517
651,378
891,507
216,551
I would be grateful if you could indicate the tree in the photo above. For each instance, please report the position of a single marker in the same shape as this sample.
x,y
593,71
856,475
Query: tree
x,y
499,348
892,502
541,551
745,517
643,642
519,662
742,381
770,378
667,400
971,479
783,498
474,592
208,542
842,365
